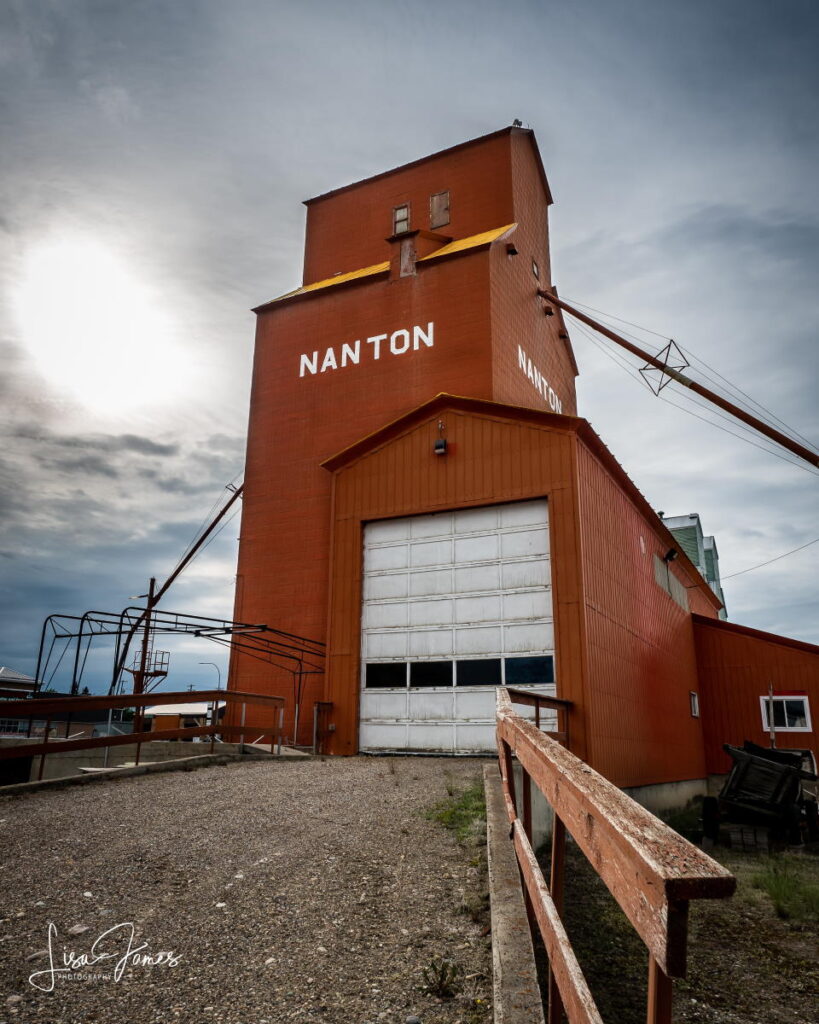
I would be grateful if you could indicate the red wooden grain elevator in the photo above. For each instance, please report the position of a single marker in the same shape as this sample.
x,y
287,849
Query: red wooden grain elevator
x,y
421,495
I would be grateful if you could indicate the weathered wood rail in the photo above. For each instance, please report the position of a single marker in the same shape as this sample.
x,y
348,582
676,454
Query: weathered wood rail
x,y
45,708
648,868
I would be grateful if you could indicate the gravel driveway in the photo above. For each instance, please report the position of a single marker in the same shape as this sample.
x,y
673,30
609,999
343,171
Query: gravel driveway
x,y
304,891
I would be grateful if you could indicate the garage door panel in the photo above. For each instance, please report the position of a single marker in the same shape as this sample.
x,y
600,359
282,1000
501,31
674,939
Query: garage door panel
x,y
425,706
515,575
525,543
385,586
486,608
380,615
438,525
523,513
477,578
531,604
386,530
431,736
377,704
472,585
473,520
426,643
478,640
385,645
537,636
429,582
391,556
476,549
432,552
477,706
431,613
474,739
376,736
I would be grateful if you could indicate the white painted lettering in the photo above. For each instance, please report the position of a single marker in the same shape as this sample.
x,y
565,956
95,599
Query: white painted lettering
x,y
426,336
400,341
308,364
396,347
375,341
350,352
539,381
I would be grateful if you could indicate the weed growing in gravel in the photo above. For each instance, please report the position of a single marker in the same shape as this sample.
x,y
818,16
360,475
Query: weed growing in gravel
x,y
442,978
793,895
461,814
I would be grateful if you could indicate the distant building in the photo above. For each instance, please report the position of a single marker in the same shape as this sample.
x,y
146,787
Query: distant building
x,y
700,549
14,685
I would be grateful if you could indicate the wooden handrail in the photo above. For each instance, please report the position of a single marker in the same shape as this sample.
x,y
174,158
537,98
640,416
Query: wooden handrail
x,y
650,870
47,707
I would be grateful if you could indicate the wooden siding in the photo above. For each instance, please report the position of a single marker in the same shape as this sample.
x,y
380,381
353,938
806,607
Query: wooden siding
x,y
736,665
640,644
490,460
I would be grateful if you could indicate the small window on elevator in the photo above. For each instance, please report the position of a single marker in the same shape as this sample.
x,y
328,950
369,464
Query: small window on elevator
x,y
400,219
536,269
439,210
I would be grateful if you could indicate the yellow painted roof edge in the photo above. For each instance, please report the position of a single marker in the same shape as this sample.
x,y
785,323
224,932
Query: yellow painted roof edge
x,y
461,244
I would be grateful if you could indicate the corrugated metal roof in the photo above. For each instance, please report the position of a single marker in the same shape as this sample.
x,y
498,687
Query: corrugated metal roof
x,y
472,242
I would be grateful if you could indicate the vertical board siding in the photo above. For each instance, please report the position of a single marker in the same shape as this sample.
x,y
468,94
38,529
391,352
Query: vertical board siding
x,y
736,665
489,462
641,663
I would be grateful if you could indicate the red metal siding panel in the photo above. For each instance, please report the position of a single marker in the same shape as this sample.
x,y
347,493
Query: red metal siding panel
x,y
736,667
641,663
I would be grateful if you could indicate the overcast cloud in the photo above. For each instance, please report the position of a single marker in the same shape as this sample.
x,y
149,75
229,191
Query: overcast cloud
x,y
173,142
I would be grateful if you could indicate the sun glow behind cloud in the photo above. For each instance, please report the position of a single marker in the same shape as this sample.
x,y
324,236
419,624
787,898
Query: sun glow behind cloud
x,y
93,329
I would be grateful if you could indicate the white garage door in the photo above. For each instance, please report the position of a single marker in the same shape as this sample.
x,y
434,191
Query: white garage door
x,y
454,604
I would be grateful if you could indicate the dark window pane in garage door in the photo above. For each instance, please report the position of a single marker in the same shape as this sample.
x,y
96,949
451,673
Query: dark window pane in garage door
x,y
386,676
430,673
520,671
479,672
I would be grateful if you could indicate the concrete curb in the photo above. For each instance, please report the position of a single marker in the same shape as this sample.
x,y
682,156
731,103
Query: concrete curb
x,y
517,995
179,764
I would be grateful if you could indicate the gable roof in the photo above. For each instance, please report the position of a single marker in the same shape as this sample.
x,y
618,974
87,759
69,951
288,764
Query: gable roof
x,y
509,130
517,414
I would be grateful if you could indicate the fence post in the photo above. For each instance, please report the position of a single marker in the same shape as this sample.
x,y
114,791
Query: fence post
x,y
242,723
281,729
556,891
43,755
660,992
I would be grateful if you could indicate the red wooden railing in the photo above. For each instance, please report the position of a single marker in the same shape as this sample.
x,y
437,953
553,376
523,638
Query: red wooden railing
x,y
650,870
45,708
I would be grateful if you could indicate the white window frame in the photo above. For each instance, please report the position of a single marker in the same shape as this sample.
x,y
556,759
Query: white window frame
x,y
396,230
766,725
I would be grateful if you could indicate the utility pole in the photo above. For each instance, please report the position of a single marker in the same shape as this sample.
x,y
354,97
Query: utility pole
x,y
139,675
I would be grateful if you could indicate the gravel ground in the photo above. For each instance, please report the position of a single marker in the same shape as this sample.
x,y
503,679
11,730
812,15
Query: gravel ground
x,y
312,891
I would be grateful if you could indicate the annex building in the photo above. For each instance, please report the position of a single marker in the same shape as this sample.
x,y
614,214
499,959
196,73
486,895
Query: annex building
x,y
422,496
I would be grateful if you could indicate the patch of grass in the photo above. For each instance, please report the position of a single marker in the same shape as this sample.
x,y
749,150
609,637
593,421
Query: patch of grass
x,y
462,814
475,906
442,978
793,895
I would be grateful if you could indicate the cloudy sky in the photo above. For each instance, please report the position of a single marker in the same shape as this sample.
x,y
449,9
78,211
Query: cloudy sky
x,y
153,159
